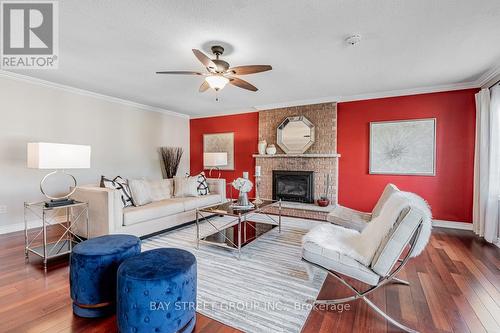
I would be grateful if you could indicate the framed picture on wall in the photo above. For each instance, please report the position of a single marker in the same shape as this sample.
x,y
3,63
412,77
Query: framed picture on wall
x,y
220,143
404,147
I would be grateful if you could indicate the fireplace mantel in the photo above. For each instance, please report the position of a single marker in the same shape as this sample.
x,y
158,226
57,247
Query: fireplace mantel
x,y
297,156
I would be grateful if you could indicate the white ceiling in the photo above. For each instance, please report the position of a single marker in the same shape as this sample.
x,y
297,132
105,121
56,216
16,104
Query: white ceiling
x,y
114,47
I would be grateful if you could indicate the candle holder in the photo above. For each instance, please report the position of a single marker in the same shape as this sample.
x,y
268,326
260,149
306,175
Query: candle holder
x,y
258,200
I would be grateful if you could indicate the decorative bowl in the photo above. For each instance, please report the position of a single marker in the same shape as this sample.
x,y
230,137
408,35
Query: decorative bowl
x,y
323,202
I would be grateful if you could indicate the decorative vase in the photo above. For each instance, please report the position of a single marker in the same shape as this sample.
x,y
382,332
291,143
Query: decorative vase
x,y
271,149
243,199
262,147
323,202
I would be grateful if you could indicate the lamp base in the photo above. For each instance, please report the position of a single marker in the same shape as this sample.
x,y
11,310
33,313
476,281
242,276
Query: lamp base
x,y
59,203
210,172
55,173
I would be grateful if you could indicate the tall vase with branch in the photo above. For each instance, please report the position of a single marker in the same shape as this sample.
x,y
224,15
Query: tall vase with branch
x,y
170,160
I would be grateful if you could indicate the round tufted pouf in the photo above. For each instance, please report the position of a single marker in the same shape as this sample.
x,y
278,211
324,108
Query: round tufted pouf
x,y
156,292
93,266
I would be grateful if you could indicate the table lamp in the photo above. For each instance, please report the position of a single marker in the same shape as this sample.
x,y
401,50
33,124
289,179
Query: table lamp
x,y
42,155
214,161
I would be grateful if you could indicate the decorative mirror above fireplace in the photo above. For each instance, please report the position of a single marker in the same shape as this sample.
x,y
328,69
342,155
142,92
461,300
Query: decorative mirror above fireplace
x,y
295,135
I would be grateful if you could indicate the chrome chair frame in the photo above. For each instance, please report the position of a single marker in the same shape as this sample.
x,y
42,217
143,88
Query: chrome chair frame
x,y
390,278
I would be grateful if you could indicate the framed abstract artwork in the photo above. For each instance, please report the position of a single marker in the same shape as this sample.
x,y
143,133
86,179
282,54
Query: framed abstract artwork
x,y
220,143
403,147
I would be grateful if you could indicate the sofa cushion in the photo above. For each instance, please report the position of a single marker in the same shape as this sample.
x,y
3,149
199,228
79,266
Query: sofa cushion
x,y
141,192
201,201
154,210
161,189
185,187
388,190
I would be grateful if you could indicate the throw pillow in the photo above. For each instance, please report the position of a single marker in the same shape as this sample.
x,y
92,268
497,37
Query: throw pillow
x,y
119,183
161,189
202,184
141,193
186,186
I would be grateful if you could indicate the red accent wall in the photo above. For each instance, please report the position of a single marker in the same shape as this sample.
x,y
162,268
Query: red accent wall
x,y
246,136
450,192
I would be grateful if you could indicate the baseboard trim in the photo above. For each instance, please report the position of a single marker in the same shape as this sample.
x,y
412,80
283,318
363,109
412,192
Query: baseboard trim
x,y
452,225
7,229
497,243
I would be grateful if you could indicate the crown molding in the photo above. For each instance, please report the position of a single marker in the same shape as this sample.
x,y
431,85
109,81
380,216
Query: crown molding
x,y
222,114
381,94
352,98
489,78
412,91
88,93
320,100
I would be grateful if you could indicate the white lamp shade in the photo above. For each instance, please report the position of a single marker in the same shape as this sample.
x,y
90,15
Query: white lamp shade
x,y
214,159
43,155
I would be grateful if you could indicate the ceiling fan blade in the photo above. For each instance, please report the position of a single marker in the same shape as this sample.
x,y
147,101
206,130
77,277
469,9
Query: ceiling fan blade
x,y
204,86
242,84
206,61
251,69
180,72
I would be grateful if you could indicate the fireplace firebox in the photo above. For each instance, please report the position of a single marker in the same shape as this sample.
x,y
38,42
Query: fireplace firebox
x,y
295,186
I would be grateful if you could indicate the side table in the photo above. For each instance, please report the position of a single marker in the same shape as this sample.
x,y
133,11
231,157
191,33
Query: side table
x,y
74,214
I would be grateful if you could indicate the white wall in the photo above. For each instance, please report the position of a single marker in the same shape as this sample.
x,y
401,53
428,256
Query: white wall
x,y
124,140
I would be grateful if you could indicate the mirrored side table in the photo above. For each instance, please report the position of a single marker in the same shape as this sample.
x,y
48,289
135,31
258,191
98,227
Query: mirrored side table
x,y
67,218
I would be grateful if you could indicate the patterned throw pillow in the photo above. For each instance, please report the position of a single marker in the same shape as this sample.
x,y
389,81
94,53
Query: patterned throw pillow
x,y
119,183
202,184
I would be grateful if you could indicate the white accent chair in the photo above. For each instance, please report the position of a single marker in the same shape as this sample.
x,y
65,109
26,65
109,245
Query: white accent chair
x,y
406,239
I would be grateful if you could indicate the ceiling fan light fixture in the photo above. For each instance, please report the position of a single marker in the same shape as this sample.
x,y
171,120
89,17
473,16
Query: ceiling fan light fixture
x,y
219,73
217,82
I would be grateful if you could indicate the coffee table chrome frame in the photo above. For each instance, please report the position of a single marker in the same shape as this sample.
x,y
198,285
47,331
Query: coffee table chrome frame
x,y
241,220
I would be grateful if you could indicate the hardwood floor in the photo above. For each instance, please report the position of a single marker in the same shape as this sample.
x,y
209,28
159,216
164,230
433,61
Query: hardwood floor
x,y
454,287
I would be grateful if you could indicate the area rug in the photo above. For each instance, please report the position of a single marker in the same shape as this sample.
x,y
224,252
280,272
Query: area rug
x,y
269,289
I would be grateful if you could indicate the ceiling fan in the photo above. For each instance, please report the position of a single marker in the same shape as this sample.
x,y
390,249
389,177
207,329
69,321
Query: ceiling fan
x,y
220,73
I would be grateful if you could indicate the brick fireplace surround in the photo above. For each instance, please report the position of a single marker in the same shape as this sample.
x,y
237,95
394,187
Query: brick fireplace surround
x,y
324,117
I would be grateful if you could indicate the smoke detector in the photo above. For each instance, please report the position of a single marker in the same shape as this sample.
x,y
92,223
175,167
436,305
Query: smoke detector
x,y
353,40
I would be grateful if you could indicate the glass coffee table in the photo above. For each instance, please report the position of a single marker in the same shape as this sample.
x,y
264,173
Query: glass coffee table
x,y
230,227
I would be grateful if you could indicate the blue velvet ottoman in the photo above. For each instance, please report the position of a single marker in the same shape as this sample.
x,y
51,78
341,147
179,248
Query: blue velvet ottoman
x,y
93,266
156,292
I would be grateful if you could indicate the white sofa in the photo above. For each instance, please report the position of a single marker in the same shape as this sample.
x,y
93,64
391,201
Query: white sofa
x,y
108,216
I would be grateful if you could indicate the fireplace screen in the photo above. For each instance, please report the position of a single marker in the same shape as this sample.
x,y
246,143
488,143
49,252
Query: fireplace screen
x,y
293,186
